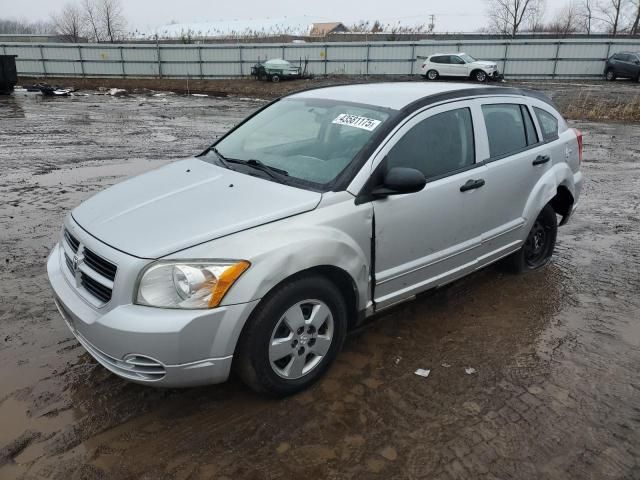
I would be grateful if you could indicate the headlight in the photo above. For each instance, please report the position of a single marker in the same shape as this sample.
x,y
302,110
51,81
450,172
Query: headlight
x,y
180,284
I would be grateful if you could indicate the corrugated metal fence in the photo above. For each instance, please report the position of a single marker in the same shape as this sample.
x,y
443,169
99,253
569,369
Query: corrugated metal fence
x,y
551,58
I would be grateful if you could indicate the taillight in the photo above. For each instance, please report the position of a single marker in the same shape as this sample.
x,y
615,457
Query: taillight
x,y
579,137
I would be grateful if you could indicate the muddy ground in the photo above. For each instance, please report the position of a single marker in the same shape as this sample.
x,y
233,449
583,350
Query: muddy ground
x,y
579,99
556,393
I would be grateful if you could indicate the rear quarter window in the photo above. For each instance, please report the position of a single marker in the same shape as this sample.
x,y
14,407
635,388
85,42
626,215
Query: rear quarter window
x,y
548,124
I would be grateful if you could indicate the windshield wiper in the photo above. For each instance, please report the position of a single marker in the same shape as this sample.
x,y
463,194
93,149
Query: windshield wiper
x,y
273,172
223,160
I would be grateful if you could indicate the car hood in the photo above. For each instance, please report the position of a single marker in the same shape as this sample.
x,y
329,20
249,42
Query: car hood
x,y
186,203
484,63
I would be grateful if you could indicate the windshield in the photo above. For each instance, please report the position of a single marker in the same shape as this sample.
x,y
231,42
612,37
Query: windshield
x,y
312,140
467,58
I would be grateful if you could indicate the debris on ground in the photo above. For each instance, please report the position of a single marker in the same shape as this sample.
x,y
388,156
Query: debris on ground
x,y
446,365
44,89
115,92
421,372
470,370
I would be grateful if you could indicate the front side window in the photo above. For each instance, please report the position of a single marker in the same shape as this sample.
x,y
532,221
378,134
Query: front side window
x,y
505,128
436,146
312,140
456,60
548,124
467,58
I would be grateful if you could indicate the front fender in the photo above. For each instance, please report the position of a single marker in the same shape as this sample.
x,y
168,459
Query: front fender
x,y
292,251
546,189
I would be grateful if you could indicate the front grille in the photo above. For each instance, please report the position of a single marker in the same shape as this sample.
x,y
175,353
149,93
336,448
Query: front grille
x,y
96,273
71,240
95,288
99,264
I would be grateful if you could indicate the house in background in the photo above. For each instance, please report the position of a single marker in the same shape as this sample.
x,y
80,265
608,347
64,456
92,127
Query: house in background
x,y
325,29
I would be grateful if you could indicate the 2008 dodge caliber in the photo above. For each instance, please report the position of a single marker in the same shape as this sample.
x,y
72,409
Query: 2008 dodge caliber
x,y
316,212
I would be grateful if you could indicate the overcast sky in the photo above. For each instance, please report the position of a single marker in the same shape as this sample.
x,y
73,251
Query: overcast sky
x,y
451,15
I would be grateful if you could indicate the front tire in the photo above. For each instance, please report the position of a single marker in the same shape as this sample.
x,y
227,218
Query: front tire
x,y
539,245
432,75
292,337
479,76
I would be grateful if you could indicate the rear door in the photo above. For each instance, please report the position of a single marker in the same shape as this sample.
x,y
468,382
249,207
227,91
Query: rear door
x,y
517,158
431,237
441,64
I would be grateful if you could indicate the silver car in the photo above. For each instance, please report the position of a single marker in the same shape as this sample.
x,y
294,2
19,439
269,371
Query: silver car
x,y
316,212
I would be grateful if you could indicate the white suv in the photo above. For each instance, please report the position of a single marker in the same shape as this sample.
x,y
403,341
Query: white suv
x,y
458,65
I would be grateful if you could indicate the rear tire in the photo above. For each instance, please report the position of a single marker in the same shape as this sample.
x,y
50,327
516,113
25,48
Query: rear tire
x,y
275,78
610,75
432,75
292,337
538,248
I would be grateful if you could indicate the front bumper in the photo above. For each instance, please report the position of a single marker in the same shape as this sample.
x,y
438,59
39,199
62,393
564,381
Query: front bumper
x,y
153,346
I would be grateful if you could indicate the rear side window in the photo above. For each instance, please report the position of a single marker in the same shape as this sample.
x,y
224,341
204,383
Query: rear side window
x,y
440,59
506,128
436,146
548,124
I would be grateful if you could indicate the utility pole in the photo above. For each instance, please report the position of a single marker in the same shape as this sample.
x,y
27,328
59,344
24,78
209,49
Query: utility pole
x,y
432,23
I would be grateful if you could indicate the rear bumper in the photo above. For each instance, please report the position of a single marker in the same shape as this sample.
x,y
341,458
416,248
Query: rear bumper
x,y
152,346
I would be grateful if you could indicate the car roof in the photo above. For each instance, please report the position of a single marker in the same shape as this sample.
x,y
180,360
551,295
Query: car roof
x,y
447,53
394,95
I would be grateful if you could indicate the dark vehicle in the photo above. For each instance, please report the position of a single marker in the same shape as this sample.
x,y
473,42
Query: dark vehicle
x,y
8,73
623,65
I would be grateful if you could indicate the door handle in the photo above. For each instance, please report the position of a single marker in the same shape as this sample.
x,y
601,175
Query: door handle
x,y
541,159
471,184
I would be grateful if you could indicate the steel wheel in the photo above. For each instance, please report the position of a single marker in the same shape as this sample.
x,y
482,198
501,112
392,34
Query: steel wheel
x,y
301,339
536,246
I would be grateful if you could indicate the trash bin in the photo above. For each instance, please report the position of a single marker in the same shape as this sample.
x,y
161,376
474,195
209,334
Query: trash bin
x,y
8,73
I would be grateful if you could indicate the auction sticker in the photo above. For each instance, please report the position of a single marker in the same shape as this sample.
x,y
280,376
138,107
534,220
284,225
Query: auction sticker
x,y
358,122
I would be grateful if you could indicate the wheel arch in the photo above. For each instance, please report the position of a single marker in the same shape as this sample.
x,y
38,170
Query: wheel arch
x,y
562,203
554,187
472,75
339,277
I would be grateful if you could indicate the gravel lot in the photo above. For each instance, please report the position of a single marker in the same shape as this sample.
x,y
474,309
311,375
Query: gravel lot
x,y
556,393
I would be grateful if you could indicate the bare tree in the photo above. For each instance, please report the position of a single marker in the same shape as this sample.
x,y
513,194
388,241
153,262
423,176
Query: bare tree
x,y
586,14
92,19
635,27
566,20
511,16
10,26
69,22
611,12
112,19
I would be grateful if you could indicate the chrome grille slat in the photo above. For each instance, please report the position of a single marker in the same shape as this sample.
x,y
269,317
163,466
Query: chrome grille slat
x,y
71,240
100,265
95,288
96,274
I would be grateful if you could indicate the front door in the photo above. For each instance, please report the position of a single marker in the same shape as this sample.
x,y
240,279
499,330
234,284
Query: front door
x,y
458,67
431,237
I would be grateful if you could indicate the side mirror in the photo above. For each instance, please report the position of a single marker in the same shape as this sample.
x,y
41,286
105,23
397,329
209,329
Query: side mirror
x,y
400,180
